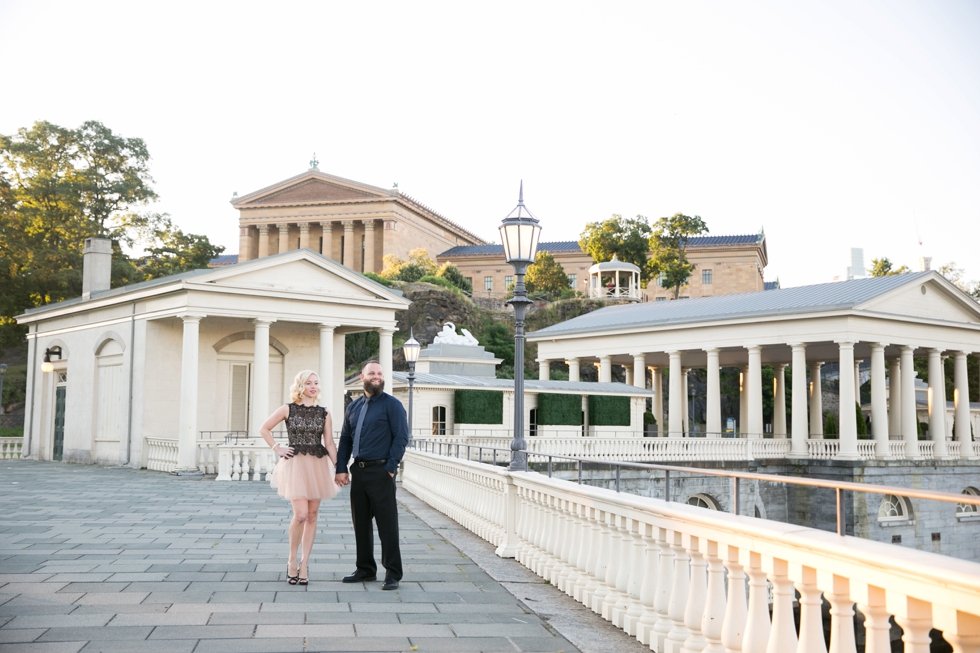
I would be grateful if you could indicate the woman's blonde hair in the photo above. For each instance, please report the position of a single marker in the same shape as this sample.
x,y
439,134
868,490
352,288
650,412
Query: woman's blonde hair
x,y
299,383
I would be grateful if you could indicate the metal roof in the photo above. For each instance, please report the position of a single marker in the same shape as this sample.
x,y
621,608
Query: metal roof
x,y
724,241
840,295
489,382
573,246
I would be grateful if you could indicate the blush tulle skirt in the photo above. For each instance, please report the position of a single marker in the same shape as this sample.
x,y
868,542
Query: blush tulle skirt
x,y
304,477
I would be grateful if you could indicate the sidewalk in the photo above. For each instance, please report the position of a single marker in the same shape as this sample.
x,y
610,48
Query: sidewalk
x,y
96,559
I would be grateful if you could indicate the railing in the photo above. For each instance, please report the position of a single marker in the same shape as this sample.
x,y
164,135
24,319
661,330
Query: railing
x,y
658,569
161,455
11,448
251,460
604,292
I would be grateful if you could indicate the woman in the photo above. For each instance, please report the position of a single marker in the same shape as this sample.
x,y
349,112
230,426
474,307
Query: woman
x,y
305,472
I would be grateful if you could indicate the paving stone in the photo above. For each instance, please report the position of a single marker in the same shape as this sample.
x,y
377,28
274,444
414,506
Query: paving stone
x,y
352,644
149,646
59,620
224,631
464,644
19,635
43,647
290,645
255,618
90,633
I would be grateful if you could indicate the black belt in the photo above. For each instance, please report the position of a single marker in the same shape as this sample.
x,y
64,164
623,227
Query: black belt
x,y
370,463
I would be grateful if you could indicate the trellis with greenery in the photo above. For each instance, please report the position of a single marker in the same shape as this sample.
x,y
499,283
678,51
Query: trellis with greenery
x,y
559,410
479,407
609,411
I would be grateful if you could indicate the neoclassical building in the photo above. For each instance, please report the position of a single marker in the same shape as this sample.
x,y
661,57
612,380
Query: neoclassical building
x,y
349,222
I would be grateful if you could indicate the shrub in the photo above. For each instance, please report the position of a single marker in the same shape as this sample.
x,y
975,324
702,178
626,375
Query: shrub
x,y
437,281
648,418
609,411
559,410
830,427
410,272
378,278
479,406
862,426
451,273
11,431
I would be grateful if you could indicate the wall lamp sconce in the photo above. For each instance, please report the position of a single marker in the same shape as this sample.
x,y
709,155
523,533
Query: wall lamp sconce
x,y
47,366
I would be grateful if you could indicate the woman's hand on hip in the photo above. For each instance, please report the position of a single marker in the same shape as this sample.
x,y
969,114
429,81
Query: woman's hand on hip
x,y
284,452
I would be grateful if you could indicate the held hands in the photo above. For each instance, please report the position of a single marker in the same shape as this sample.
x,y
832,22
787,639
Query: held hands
x,y
341,479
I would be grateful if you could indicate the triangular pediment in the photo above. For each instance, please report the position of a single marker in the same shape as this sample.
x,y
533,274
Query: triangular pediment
x,y
312,187
932,297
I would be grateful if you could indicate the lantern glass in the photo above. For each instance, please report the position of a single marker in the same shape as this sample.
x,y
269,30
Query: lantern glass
x,y
520,240
411,349
47,367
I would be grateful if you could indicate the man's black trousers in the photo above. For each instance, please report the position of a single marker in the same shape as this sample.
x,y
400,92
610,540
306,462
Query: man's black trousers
x,y
372,495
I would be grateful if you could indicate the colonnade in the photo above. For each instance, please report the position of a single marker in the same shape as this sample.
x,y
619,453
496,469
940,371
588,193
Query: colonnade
x,y
350,254
897,422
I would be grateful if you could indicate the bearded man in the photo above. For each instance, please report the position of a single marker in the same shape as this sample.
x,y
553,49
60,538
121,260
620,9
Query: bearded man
x,y
375,434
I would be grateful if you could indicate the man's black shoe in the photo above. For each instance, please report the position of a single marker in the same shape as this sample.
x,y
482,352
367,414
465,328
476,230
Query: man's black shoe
x,y
359,576
390,584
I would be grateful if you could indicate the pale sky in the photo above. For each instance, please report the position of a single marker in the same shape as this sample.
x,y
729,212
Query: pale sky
x,y
830,124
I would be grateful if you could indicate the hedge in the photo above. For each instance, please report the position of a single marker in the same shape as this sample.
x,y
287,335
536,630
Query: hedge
x,y
609,411
479,407
559,410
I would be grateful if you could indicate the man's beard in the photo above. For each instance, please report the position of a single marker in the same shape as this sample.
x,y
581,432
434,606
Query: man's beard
x,y
372,389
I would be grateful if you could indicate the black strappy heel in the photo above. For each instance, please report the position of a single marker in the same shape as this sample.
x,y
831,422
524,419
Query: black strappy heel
x,y
292,580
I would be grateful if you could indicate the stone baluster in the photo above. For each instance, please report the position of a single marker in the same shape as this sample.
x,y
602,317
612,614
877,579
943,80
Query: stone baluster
x,y
733,631
678,594
637,571
696,600
612,597
841,616
574,538
550,542
625,556
811,619
236,465
648,590
871,603
602,563
523,527
586,557
757,627
783,635
914,617
665,584
714,609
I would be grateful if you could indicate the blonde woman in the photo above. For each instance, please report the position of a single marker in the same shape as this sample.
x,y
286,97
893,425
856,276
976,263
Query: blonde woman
x,y
305,472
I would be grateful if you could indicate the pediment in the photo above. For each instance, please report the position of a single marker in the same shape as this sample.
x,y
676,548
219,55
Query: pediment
x,y
310,188
932,298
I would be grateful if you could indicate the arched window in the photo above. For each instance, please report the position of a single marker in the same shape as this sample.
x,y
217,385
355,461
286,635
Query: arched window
x,y
438,420
966,509
894,509
704,501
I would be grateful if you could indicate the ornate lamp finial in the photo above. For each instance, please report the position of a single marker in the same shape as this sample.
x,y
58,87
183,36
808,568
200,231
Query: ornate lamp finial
x,y
314,163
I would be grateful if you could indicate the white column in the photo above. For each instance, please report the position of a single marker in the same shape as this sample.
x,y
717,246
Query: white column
x,y
384,357
879,403
544,370
685,400
755,392
800,431
369,245
909,416
605,369
894,396
675,397
961,403
847,418
639,370
348,244
657,384
263,240
187,432
713,405
326,248
339,354
325,371
260,375
816,401
304,235
857,380
937,404
779,407
628,374
743,400
573,369
283,237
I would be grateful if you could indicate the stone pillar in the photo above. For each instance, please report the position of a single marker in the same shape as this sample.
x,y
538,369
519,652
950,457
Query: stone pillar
x,y
675,397
713,405
260,375
263,240
816,401
937,405
628,374
685,400
244,242
348,257
639,370
339,351
961,406
325,371
326,248
605,369
573,369
384,356
894,397
779,405
755,392
800,431
743,400
909,417
879,402
847,422
544,370
657,385
857,380
304,235
187,430
369,245
283,236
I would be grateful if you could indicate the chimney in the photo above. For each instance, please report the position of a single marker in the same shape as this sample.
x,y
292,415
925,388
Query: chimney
x,y
96,266
925,263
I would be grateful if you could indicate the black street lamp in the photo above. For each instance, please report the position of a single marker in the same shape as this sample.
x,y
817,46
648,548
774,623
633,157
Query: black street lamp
x,y
519,234
411,349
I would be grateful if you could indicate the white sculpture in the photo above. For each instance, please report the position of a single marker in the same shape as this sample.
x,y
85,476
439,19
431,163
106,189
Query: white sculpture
x,y
448,336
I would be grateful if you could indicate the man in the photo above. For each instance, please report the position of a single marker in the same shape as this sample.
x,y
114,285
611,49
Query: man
x,y
375,433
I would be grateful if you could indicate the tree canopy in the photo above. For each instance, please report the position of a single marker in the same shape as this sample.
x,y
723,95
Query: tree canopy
x,y
668,259
546,275
883,267
626,238
59,186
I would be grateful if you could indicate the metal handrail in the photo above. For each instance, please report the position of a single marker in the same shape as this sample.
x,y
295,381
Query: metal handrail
x,y
839,486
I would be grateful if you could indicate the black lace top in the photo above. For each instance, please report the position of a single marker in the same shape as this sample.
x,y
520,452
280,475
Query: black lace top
x,y
305,428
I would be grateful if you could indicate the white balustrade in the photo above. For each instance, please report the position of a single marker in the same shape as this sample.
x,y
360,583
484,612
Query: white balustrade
x,y
207,456
657,569
11,448
250,460
161,455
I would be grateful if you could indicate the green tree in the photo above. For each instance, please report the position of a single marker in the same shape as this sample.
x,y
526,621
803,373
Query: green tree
x,y
626,238
668,259
172,251
546,275
451,273
882,267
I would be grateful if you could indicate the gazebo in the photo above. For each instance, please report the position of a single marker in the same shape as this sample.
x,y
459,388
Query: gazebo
x,y
614,279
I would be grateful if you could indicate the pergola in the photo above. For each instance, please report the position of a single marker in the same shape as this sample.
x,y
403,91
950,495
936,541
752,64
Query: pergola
x,y
889,320
615,272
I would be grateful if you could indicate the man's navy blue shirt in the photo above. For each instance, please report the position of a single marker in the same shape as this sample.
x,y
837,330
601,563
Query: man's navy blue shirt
x,y
384,433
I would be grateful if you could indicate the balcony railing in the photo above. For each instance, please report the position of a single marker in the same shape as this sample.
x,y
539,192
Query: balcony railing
x,y
11,448
605,292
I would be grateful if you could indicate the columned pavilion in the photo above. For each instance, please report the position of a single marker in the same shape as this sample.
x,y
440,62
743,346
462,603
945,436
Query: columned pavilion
x,y
888,321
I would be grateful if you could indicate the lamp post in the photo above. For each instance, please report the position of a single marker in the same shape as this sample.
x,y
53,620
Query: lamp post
x,y
3,372
519,234
411,348
46,365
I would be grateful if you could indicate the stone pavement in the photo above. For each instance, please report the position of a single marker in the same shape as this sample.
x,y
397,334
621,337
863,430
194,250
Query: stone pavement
x,y
111,559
